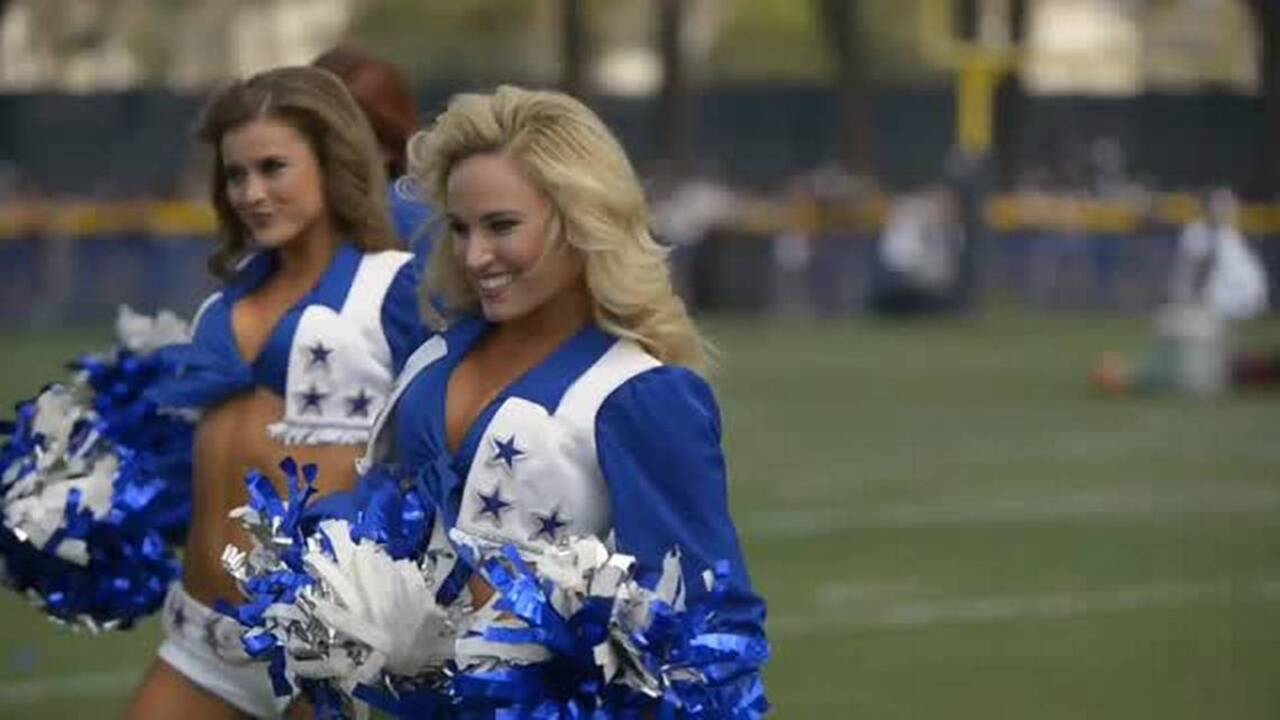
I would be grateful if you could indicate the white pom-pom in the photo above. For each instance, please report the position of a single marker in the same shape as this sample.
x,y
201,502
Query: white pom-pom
x,y
364,618
381,602
670,588
68,458
58,409
235,562
35,507
144,334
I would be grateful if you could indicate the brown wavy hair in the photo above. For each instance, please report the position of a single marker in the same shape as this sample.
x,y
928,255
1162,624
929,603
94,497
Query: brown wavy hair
x,y
382,91
316,104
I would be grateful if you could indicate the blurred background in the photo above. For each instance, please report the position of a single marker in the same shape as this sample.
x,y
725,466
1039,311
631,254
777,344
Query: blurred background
x,y
998,446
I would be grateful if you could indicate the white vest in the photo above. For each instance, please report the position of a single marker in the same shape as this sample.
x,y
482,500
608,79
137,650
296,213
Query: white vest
x,y
350,387
535,478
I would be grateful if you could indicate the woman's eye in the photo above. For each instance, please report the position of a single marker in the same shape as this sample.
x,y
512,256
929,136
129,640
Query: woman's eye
x,y
271,167
458,230
502,227
235,175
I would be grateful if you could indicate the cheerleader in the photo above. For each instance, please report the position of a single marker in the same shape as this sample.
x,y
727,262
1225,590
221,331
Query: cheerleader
x,y
295,355
382,92
563,397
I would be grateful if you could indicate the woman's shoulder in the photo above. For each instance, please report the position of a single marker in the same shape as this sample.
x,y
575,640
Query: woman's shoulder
x,y
212,304
629,382
391,256
391,266
662,393
390,275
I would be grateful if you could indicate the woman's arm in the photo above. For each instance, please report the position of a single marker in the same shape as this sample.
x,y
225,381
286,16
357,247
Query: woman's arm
x,y
658,442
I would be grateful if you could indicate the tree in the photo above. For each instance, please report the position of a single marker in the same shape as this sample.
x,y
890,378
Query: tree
x,y
1266,183
473,42
4,7
842,23
573,47
1010,103
675,102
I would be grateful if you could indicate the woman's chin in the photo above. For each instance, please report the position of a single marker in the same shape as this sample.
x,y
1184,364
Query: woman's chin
x,y
268,241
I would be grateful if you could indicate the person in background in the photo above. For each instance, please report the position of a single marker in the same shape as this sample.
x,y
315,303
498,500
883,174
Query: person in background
x,y
387,101
918,256
1215,267
295,356
1217,282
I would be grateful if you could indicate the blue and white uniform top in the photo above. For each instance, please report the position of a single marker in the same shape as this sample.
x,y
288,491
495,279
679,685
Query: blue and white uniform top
x,y
332,357
599,439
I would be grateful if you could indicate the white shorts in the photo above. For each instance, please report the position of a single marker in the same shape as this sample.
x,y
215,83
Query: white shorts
x,y
204,645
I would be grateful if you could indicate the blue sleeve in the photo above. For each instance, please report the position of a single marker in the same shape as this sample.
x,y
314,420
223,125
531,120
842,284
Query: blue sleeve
x,y
411,216
401,321
658,442
207,370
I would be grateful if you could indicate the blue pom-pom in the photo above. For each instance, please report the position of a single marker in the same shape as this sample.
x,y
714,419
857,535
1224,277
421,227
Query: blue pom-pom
x,y
162,442
80,536
615,648
95,485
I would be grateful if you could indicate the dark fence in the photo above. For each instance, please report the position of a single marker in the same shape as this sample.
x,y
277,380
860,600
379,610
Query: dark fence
x,y
125,145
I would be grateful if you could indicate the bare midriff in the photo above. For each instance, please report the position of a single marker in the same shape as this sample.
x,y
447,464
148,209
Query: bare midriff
x,y
231,440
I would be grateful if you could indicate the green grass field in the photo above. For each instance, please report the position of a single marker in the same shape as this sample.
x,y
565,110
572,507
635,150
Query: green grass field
x,y
945,522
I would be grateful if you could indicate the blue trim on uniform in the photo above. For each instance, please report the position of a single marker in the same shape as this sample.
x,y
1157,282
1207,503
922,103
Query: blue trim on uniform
x,y
271,366
418,435
249,275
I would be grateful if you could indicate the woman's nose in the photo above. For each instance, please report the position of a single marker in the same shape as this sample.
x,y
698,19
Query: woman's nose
x,y
254,189
479,251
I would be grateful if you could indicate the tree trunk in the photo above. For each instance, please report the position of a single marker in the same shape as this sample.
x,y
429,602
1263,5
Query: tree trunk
x,y
573,47
4,7
842,24
1010,102
1266,176
675,102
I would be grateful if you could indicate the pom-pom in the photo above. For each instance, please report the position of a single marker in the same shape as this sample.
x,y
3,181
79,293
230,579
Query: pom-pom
x,y
95,483
144,334
574,633
116,384
78,536
338,607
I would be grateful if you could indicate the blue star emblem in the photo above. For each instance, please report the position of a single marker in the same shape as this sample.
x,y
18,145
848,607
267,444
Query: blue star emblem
x,y
493,505
319,355
506,451
311,400
549,526
358,404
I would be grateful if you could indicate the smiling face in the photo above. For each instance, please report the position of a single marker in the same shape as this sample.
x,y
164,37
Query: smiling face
x,y
273,182
507,240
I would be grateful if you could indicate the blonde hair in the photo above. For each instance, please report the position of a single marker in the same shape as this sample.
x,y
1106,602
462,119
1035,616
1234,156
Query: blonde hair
x,y
569,153
316,104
